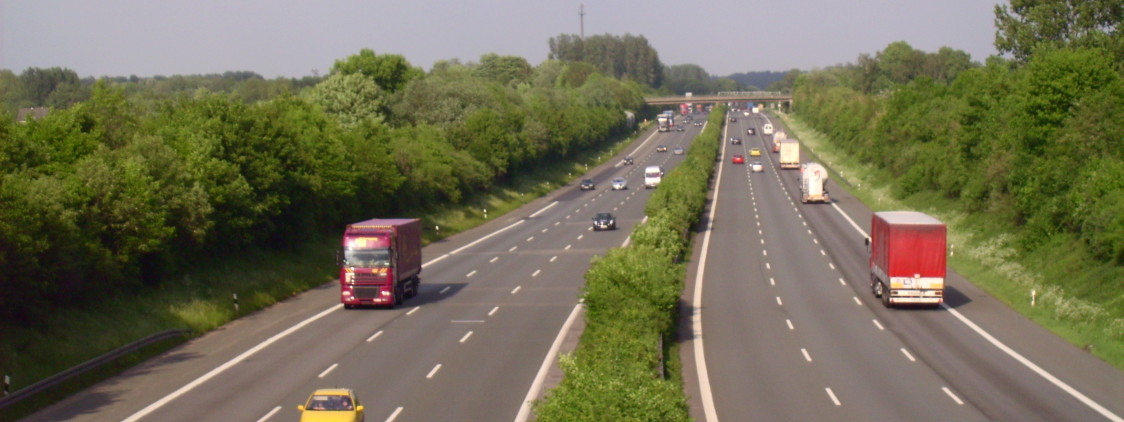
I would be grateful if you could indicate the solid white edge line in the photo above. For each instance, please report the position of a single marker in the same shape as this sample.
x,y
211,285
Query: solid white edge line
x,y
696,302
413,310
374,336
454,252
1033,367
551,355
221,368
1009,351
270,414
536,214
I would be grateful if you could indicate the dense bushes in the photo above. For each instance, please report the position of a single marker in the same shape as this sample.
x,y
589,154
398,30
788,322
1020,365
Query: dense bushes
x,y
631,298
121,190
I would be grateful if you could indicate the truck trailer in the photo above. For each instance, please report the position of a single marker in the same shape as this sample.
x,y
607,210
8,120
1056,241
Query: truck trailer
x,y
907,258
790,153
380,262
813,183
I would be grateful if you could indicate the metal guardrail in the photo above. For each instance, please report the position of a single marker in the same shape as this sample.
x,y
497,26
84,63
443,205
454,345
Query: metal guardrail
x,y
59,378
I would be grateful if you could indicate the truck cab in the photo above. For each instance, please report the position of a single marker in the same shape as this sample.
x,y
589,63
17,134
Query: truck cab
x,y
652,176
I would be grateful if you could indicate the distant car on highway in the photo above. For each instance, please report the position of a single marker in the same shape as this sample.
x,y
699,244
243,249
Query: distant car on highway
x,y
628,160
661,148
757,167
733,119
620,183
755,152
751,131
735,141
698,123
679,129
332,405
677,151
587,184
737,159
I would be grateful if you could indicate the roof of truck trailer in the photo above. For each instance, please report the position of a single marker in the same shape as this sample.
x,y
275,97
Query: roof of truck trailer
x,y
375,223
908,217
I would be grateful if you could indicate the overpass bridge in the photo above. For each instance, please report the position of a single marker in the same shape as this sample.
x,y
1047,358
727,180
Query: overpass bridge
x,y
725,97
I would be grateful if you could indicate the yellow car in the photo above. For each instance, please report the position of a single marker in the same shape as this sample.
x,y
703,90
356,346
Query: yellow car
x,y
332,405
755,152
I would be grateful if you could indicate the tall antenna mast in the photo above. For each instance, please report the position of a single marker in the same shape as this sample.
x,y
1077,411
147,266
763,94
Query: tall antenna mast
x,y
581,12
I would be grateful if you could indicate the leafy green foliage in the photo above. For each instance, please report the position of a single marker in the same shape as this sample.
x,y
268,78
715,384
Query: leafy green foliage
x,y
629,57
390,72
1026,25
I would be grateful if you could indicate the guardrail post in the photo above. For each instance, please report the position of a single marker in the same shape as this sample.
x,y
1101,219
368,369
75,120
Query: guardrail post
x,y
7,384
236,303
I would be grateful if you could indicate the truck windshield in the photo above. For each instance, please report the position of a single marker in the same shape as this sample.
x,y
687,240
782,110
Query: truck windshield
x,y
366,258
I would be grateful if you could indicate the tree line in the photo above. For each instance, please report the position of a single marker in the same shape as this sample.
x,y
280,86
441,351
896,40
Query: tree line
x,y
127,186
1037,139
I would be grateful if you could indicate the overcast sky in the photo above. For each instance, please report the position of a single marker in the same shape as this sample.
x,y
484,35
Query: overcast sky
x,y
294,38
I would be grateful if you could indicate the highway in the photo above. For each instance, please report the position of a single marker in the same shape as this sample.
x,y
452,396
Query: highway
x,y
468,347
784,326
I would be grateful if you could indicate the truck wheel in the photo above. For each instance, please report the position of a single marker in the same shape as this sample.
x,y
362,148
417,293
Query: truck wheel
x,y
397,296
876,288
885,296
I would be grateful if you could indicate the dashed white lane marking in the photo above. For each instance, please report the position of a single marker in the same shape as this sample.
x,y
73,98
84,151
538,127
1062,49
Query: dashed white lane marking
x,y
493,311
394,415
536,273
557,223
516,290
767,266
530,238
493,260
843,282
444,290
567,247
580,236
764,252
878,324
374,336
857,301
413,310
513,248
954,398
790,326
327,371
544,230
271,413
772,282
466,336
779,301
907,355
471,274
832,265
833,398
822,252
553,258
807,357
433,371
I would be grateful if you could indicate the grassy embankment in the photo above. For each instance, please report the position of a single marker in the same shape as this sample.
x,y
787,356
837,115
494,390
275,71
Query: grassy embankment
x,y
201,299
1078,298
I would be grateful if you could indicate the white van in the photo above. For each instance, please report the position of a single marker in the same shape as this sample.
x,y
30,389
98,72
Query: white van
x,y
652,176
767,129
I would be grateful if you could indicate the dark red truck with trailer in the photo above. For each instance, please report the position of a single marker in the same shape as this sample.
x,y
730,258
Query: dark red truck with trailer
x,y
380,262
907,258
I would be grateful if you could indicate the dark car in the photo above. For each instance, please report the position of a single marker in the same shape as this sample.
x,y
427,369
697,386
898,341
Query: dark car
x,y
751,131
733,119
679,129
587,184
628,160
604,221
735,141
661,148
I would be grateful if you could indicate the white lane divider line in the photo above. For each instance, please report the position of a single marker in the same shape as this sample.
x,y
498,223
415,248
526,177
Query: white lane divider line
x,y
772,282
471,274
779,301
536,273
413,310
433,371
327,371
493,260
544,230
807,357
790,326
553,258
551,356
394,415
444,290
833,398
878,324
536,214
567,247
954,398
530,238
580,236
493,311
857,301
822,252
841,281
767,266
466,336
907,355
374,336
513,248
271,413
764,252
832,265
516,290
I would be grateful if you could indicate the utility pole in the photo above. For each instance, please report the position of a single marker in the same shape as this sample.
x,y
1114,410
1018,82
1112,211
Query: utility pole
x,y
581,13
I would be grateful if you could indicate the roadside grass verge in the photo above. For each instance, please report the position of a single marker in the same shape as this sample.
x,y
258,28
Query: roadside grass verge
x,y
201,298
1077,298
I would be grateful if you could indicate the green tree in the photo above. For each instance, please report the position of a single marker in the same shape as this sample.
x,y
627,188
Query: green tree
x,y
505,70
351,98
390,71
1025,25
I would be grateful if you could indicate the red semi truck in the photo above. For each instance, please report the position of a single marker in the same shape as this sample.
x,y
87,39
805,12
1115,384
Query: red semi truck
x,y
380,262
907,258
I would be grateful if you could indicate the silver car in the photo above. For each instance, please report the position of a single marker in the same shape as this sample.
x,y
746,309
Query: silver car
x,y
620,183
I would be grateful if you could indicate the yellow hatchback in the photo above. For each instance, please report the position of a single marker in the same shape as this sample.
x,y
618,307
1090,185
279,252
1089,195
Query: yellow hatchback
x,y
755,152
332,405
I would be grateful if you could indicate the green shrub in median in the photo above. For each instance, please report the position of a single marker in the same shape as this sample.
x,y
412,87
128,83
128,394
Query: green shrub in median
x,y
631,298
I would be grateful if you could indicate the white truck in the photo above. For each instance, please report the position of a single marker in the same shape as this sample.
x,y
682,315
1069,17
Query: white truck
x,y
767,129
790,154
652,176
664,122
813,183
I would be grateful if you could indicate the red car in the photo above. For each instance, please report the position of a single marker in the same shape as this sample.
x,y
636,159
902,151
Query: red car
x,y
738,159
